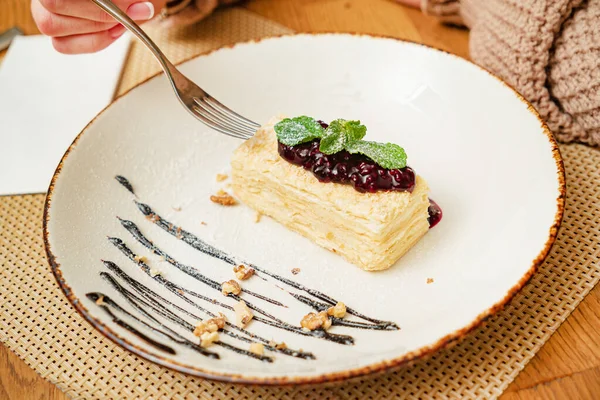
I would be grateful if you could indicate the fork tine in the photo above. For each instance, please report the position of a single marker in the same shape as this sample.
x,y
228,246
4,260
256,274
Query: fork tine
x,y
221,120
215,119
225,116
201,115
227,110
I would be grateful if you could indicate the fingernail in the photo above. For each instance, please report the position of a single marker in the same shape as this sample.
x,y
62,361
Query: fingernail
x,y
116,31
141,11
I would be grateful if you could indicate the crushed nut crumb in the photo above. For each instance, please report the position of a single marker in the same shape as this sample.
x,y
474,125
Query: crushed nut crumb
x,y
178,234
243,315
153,217
257,348
140,259
203,223
208,338
337,311
326,320
176,208
281,346
221,177
230,286
258,217
154,272
243,272
272,343
203,326
295,271
312,321
220,320
100,301
180,291
223,198
429,280
210,325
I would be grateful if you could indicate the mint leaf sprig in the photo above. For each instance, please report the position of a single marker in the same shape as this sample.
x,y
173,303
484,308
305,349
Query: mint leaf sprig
x,y
340,135
293,131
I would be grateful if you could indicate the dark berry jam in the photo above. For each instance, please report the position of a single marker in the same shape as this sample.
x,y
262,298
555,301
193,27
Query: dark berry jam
x,y
435,213
355,169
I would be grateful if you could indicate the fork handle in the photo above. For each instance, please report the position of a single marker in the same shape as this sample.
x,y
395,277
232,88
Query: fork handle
x,y
107,5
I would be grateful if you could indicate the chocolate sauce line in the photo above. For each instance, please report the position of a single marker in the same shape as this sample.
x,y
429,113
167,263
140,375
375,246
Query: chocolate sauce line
x,y
184,235
386,325
200,296
156,299
193,272
339,321
123,181
178,291
95,297
198,244
135,300
321,334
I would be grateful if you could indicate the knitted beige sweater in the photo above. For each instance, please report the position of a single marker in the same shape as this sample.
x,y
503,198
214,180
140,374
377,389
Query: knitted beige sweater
x,y
549,50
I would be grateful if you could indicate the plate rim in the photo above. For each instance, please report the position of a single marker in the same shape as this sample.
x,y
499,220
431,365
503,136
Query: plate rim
x,y
380,366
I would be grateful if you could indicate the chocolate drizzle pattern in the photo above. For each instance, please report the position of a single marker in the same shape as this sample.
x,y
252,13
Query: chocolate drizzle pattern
x,y
154,308
142,306
269,320
160,302
198,244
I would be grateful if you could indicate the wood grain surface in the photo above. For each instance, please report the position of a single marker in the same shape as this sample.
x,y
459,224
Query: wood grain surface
x,y
567,367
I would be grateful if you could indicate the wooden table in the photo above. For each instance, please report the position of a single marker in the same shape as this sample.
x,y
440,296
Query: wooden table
x,y
567,367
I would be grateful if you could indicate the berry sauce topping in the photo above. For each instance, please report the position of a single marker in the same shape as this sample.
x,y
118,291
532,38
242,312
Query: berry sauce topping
x,y
343,167
435,213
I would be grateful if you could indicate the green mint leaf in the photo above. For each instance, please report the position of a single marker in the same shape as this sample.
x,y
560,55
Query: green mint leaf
x,y
333,141
293,131
340,134
387,155
354,131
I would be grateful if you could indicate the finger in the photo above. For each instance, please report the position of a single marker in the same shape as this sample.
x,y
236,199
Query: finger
x,y
135,9
59,25
89,43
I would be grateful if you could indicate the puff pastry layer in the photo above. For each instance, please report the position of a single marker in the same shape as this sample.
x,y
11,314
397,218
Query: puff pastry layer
x,y
370,230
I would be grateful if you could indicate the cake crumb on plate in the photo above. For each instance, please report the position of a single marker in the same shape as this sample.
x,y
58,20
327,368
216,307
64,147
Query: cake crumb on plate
x,y
221,177
223,198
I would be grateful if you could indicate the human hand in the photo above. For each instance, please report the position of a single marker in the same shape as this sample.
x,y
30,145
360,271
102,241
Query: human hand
x,y
79,26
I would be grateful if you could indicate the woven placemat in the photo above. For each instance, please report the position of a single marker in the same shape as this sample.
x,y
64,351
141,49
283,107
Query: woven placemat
x,y
41,327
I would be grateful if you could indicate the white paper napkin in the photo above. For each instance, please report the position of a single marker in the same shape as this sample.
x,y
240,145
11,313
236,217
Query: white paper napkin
x,y
46,99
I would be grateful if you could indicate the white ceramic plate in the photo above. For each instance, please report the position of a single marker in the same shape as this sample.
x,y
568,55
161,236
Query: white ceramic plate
x,y
491,164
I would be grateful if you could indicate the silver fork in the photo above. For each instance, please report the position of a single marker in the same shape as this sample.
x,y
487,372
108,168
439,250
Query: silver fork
x,y
199,103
